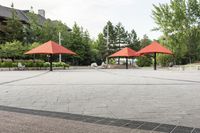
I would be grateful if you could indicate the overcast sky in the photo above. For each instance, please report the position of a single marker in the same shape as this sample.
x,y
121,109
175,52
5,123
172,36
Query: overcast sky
x,y
93,14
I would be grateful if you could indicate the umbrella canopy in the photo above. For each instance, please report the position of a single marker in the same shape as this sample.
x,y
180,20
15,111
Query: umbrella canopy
x,y
154,48
125,52
50,47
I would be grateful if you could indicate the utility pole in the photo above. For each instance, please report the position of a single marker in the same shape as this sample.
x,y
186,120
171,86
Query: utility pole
x,y
59,37
107,43
107,35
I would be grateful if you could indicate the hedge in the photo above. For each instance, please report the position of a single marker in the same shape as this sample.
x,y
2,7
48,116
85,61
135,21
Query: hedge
x,y
31,63
144,61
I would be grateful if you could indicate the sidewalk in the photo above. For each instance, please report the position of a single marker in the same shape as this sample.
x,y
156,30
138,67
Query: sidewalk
x,y
23,123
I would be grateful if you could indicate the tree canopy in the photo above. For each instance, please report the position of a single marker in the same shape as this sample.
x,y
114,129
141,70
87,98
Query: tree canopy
x,y
179,21
119,37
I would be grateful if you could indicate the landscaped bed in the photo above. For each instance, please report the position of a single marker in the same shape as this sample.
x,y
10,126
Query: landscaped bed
x,y
30,65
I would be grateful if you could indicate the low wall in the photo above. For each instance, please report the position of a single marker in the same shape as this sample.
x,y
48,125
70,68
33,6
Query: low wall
x,y
31,68
120,66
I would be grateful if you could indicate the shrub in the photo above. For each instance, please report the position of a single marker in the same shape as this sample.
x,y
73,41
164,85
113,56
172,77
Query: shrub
x,y
60,64
1,64
66,65
46,64
14,64
165,60
39,64
6,64
112,61
144,61
55,64
28,64
12,50
31,63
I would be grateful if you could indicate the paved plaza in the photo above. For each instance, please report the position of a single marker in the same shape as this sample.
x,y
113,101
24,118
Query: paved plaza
x,y
23,123
163,96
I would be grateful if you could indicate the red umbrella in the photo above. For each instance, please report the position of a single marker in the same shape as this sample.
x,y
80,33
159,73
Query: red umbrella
x,y
125,52
50,48
154,48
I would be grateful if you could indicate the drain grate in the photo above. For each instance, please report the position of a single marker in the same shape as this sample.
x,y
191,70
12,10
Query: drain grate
x,y
120,122
106,121
197,130
182,129
165,128
133,124
149,126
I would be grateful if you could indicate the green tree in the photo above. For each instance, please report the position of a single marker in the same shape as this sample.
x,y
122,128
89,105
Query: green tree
x,y
133,40
2,33
13,29
102,47
95,52
179,22
145,60
110,28
145,41
118,36
12,50
34,30
121,35
42,31
80,42
50,30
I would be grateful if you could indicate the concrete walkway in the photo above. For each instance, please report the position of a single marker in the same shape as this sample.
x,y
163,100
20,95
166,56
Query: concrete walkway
x,y
23,123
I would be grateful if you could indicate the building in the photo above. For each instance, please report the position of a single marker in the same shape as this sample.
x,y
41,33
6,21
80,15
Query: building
x,y
22,15
6,12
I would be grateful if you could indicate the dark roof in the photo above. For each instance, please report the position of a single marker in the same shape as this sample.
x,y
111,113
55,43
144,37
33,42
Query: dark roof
x,y
6,12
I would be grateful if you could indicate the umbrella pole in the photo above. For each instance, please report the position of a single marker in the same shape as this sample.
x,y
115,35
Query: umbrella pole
x,y
50,60
126,63
154,61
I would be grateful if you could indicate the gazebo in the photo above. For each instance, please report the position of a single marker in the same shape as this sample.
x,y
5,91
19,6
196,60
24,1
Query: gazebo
x,y
154,48
50,48
125,52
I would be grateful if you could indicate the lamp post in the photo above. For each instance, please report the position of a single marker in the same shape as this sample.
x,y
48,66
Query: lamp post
x,y
155,61
59,37
107,43
50,60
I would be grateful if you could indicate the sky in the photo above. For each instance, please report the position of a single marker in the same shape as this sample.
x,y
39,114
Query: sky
x,y
94,14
